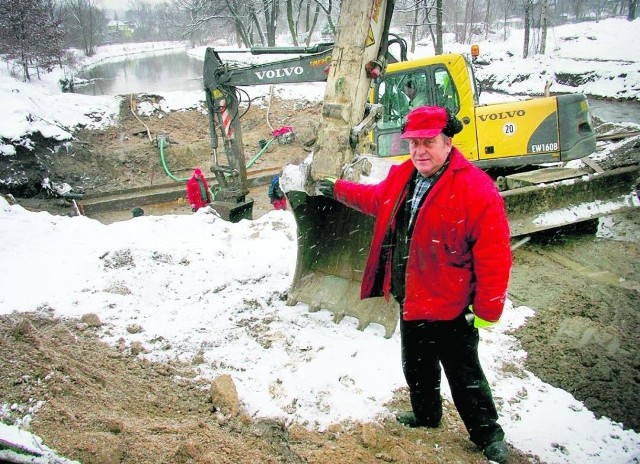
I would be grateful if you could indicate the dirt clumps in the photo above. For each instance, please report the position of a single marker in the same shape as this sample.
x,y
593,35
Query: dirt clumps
x,y
101,404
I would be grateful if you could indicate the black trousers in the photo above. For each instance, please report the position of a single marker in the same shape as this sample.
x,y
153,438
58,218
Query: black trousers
x,y
454,345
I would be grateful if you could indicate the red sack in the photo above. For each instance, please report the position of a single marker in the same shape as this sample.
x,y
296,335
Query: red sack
x,y
280,203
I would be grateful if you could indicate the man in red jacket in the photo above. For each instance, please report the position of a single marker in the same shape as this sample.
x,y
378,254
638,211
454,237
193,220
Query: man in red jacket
x,y
441,247
198,192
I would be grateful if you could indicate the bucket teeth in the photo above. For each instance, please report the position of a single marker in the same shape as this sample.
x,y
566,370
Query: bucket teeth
x,y
342,297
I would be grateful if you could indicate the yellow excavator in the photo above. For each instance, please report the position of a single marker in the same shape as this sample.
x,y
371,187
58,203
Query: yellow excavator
x,y
369,91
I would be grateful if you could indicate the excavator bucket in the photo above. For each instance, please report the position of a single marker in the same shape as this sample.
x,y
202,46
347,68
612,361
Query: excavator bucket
x,y
333,241
333,244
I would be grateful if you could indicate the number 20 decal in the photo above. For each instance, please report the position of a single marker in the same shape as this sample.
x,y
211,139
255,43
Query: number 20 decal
x,y
509,128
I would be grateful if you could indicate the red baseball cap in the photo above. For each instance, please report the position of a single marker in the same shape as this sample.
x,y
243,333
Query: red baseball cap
x,y
425,122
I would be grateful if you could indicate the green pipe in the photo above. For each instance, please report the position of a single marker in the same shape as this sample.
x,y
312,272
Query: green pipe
x,y
255,158
164,163
177,179
166,168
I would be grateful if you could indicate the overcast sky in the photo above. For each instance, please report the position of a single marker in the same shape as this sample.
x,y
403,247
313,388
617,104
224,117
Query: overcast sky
x,y
121,5
113,4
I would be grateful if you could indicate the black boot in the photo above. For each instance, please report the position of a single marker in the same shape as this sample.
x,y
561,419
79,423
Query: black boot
x,y
497,451
409,419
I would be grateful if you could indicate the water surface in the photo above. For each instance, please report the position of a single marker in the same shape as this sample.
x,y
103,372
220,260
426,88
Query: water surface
x,y
160,72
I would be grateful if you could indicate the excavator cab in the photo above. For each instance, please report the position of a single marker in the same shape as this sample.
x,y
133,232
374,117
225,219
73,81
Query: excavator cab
x,y
443,80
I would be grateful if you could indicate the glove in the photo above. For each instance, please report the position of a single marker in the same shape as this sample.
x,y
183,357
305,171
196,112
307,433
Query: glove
x,y
326,186
479,323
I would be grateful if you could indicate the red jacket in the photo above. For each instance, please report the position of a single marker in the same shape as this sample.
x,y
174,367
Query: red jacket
x,y
460,250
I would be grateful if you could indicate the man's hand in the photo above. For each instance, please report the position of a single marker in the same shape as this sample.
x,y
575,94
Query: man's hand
x,y
326,186
481,323
477,322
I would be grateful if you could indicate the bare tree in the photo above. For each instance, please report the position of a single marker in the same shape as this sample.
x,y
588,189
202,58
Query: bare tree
x,y
631,14
414,30
258,20
468,18
543,26
301,20
439,46
239,16
311,19
291,21
329,12
255,23
422,17
487,19
271,9
30,34
86,21
243,35
528,8
577,8
195,12
149,24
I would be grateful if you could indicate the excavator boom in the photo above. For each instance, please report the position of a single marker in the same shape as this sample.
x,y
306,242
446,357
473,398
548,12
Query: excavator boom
x,y
358,57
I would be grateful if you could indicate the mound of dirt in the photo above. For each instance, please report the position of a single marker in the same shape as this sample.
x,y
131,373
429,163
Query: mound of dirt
x,y
102,404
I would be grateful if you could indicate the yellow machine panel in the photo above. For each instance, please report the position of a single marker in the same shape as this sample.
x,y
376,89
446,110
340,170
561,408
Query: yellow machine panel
x,y
528,127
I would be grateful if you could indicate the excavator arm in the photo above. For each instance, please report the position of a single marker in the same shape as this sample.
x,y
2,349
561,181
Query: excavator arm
x,y
333,239
358,55
221,81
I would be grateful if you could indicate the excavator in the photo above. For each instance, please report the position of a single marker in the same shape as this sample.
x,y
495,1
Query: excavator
x,y
524,145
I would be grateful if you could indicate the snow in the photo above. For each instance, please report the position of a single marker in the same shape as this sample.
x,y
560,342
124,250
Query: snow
x,y
586,210
600,49
28,443
214,289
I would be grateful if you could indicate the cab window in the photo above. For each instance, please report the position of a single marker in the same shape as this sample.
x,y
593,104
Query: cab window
x,y
399,94
445,90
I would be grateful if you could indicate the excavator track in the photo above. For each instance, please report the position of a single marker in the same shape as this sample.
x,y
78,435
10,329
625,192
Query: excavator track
x,y
534,208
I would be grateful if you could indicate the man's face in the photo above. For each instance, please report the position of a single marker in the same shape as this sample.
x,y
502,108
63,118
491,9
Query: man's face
x,y
410,92
428,155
